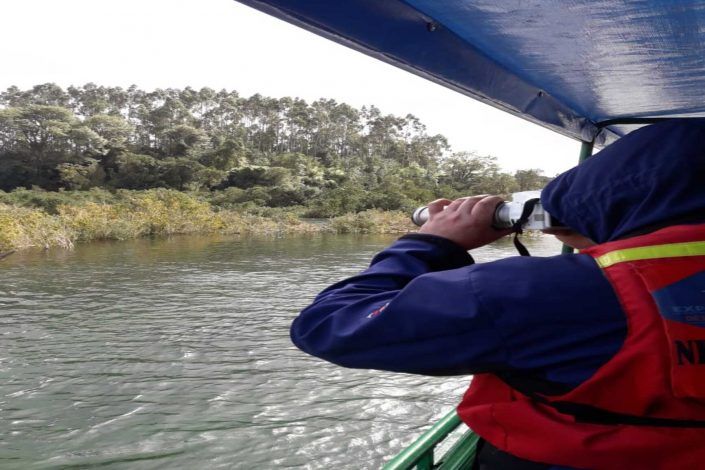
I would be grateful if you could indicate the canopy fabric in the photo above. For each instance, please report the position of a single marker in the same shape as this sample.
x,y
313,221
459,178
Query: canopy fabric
x,y
564,64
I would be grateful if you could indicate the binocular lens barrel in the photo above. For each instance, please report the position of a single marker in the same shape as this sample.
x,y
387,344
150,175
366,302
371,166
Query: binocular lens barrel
x,y
420,215
502,216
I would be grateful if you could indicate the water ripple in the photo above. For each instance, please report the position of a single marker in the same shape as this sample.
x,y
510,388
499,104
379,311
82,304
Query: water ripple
x,y
176,354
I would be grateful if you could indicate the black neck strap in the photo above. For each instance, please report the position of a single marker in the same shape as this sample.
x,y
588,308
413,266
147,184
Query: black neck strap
x,y
529,206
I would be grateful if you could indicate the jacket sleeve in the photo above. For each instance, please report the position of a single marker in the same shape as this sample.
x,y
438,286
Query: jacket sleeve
x,y
413,310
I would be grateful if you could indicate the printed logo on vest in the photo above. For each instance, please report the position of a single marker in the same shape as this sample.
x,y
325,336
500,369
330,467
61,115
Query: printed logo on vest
x,y
683,301
690,352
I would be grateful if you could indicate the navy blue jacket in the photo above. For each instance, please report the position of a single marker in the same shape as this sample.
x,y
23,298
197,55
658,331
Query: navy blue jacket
x,y
444,315
544,323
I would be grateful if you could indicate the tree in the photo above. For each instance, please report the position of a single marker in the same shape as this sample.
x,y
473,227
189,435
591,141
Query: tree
x,y
179,173
133,171
81,176
113,129
250,176
278,151
531,179
464,170
227,155
185,141
303,167
467,173
34,139
90,99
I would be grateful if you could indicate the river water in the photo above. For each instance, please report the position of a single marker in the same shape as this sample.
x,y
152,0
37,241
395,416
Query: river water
x,y
175,354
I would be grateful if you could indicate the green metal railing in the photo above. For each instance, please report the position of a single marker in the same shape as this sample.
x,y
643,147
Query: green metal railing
x,y
420,454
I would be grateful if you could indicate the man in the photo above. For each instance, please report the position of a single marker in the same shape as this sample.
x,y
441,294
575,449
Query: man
x,y
594,360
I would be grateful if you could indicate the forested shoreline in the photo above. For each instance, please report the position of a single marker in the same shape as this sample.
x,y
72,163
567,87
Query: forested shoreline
x,y
274,160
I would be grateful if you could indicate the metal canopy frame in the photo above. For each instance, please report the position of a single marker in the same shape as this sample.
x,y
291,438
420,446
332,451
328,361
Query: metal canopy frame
x,y
567,65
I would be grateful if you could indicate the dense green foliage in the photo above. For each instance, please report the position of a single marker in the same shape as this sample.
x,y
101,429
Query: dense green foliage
x,y
322,158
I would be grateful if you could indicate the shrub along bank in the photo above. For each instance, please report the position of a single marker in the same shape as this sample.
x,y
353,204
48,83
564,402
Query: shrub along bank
x,y
60,219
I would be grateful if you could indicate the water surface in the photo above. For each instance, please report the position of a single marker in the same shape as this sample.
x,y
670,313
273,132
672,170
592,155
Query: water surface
x,y
176,354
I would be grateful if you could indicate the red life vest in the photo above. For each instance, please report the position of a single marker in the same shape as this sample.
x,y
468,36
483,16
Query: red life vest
x,y
644,408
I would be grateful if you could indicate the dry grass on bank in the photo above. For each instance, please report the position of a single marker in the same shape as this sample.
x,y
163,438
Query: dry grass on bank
x,y
22,227
373,221
163,213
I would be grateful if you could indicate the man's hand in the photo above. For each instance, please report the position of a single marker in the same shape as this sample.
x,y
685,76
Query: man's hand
x,y
466,221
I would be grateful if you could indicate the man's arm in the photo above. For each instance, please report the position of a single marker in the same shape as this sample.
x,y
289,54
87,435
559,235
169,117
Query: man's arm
x,y
551,319
422,307
412,310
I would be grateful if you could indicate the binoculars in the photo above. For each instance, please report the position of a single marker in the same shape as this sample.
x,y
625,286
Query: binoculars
x,y
523,209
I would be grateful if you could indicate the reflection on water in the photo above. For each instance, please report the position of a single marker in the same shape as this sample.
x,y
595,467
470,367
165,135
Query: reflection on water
x,y
175,354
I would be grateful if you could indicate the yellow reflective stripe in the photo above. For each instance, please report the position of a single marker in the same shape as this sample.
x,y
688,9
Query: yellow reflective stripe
x,y
672,250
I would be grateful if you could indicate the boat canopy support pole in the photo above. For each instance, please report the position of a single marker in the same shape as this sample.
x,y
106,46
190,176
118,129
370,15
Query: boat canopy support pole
x,y
585,153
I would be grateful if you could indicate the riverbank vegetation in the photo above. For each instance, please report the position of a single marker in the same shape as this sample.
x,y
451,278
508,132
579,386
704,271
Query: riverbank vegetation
x,y
96,162
45,219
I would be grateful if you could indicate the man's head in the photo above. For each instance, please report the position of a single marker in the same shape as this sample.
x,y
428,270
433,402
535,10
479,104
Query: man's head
x,y
651,178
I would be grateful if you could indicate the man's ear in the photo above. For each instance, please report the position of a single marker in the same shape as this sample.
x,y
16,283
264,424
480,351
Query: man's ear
x,y
573,239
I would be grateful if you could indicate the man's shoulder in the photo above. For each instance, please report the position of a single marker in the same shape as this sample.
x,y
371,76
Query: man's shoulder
x,y
543,283
538,267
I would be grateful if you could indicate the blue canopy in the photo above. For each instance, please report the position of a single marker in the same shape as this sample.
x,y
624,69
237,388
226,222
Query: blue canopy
x,y
569,65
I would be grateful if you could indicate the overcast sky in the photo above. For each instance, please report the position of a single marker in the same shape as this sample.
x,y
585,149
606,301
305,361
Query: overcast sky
x,y
223,44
